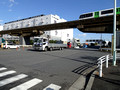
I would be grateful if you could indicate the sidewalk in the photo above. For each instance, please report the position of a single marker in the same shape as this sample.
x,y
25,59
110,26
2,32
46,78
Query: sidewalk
x,y
110,79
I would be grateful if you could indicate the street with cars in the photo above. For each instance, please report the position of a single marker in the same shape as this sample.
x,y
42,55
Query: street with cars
x,y
50,70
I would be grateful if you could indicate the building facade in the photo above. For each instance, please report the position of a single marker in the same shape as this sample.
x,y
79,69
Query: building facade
x,y
64,35
1,27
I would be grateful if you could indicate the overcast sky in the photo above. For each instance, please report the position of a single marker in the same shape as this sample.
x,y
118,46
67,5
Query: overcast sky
x,y
11,10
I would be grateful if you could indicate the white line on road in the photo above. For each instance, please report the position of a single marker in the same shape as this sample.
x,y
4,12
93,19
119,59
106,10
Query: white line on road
x,y
27,84
7,73
52,87
3,68
12,79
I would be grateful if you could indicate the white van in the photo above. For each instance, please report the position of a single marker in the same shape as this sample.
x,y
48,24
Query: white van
x,y
8,46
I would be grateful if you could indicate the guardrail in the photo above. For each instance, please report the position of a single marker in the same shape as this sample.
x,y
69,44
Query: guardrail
x,y
101,60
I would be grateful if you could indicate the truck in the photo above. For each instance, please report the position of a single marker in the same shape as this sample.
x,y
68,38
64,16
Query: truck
x,y
76,43
42,43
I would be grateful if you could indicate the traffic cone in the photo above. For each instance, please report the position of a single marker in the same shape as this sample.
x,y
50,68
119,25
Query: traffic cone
x,y
23,47
16,48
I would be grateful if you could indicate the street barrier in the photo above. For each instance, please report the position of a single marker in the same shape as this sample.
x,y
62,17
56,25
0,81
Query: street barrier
x,y
101,60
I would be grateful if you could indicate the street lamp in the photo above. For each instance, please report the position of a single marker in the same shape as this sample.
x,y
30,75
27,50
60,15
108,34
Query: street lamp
x,y
114,36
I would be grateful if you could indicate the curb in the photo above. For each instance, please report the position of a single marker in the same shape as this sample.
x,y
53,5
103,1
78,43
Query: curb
x,y
82,82
79,84
91,80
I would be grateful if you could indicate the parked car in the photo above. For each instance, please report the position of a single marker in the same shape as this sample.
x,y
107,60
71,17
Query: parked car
x,y
8,46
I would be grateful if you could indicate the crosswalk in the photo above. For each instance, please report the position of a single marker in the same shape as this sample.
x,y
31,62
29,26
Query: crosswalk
x,y
17,77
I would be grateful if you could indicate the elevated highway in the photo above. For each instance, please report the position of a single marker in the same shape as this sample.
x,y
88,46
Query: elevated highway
x,y
93,25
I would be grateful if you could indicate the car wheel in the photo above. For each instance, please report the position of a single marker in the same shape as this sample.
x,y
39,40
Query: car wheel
x,y
46,49
51,49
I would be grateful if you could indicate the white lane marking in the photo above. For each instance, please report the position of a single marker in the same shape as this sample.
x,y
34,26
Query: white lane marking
x,y
7,73
52,87
3,68
27,84
12,79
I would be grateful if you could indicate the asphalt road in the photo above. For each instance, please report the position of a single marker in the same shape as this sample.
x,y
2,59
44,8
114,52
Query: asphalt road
x,y
61,68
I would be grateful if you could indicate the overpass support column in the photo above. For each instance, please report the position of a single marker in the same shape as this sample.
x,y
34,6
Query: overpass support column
x,y
24,40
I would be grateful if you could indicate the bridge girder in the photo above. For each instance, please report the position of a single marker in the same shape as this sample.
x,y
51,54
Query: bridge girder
x,y
93,25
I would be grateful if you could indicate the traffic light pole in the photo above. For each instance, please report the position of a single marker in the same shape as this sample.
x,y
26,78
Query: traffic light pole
x,y
114,31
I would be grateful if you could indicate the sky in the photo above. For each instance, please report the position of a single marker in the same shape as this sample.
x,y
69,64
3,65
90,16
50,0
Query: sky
x,y
11,10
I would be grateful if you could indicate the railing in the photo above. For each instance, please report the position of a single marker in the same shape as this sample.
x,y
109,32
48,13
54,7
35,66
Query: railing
x,y
101,60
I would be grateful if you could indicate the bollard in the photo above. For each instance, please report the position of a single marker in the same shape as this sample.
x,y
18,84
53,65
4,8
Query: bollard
x,y
100,68
106,57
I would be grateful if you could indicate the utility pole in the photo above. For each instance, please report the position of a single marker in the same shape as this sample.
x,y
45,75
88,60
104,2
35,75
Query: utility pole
x,y
101,41
114,32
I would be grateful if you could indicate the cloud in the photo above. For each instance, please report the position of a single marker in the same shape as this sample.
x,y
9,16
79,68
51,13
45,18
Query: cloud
x,y
1,20
12,1
11,5
82,35
10,10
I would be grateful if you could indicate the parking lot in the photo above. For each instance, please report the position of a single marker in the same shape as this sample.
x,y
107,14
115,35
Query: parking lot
x,y
60,68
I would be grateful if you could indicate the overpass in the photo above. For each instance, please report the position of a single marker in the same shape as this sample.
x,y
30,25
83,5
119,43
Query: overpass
x,y
93,25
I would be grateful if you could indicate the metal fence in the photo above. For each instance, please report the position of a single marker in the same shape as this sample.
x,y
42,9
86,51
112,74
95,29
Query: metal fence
x,y
102,60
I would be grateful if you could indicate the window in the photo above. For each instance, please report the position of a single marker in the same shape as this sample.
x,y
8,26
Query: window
x,y
67,35
78,40
55,21
117,9
56,32
107,11
16,25
46,32
8,27
42,21
36,39
12,25
96,13
86,15
44,40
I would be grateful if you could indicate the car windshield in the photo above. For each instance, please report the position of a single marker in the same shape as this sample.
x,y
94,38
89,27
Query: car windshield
x,y
9,44
37,40
78,40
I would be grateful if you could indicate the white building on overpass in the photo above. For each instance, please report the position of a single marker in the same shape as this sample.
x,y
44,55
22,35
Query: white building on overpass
x,y
64,35
1,27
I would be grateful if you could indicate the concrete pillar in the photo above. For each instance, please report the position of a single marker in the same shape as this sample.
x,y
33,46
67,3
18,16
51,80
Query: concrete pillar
x,y
25,40
118,39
